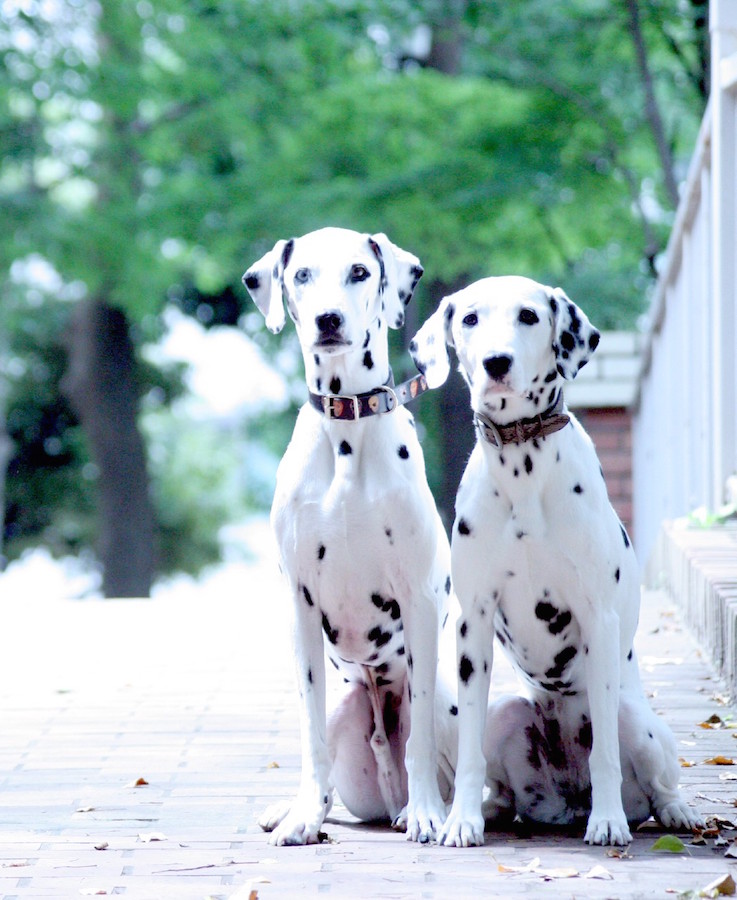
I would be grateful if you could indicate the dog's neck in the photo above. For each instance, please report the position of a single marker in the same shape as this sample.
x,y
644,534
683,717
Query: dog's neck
x,y
520,431
358,369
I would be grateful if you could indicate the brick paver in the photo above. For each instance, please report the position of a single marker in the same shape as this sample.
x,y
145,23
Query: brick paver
x,y
194,695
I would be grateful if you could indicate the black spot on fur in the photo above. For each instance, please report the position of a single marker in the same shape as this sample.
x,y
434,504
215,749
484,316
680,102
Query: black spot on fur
x,y
586,736
345,448
465,669
453,710
629,656
367,339
379,637
331,633
447,585
321,551
560,662
251,281
309,675
403,452
317,359
307,595
567,341
545,611
463,527
577,489
463,629
388,533
616,576
368,360
335,385
528,464
624,536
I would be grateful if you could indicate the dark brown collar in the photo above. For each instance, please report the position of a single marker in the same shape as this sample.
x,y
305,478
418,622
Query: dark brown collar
x,y
380,400
522,430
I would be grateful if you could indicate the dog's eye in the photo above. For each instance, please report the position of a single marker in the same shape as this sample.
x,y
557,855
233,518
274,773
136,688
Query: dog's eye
x,y
528,316
359,273
470,319
301,276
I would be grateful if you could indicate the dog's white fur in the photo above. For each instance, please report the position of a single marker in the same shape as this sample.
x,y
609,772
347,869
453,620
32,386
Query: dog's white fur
x,y
540,557
361,545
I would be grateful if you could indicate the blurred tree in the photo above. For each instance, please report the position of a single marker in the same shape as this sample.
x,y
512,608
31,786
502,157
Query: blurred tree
x,y
152,150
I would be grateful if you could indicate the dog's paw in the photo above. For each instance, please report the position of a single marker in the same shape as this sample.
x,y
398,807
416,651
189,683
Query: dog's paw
x,y
603,830
678,814
297,823
463,828
273,814
420,824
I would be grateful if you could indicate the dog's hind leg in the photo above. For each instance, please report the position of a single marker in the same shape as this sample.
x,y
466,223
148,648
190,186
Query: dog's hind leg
x,y
364,771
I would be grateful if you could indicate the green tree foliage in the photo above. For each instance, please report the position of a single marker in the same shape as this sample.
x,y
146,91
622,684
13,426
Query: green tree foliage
x,y
152,150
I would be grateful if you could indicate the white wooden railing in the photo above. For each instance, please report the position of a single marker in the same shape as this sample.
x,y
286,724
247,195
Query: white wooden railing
x,y
684,431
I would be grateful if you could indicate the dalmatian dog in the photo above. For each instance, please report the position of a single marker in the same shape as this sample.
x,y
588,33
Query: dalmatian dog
x,y
540,559
361,544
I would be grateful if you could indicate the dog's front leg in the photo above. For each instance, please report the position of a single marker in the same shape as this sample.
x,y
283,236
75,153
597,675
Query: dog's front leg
x,y
301,824
607,822
465,824
424,814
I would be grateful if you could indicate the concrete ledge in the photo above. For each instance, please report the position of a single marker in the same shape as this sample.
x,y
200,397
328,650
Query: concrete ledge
x,y
698,568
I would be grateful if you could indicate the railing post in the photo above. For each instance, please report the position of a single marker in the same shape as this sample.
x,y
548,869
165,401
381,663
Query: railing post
x,y
723,376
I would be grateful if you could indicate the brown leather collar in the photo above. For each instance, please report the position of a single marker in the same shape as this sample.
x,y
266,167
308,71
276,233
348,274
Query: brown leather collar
x,y
380,400
522,430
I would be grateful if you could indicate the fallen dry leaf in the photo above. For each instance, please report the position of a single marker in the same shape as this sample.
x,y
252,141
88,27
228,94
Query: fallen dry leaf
x,y
618,853
719,761
273,765
103,845
85,809
517,870
599,872
685,763
731,851
92,892
151,836
712,723
724,886
139,782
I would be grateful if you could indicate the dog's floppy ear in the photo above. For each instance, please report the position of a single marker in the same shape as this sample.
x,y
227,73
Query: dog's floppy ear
x,y
264,281
574,337
428,347
400,272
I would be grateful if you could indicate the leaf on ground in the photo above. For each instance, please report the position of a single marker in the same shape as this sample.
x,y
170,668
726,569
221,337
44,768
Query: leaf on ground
x,y
599,872
517,870
618,853
712,723
685,763
139,782
150,836
92,892
719,761
669,843
558,873
85,809
273,765
723,886
731,851
728,776
102,845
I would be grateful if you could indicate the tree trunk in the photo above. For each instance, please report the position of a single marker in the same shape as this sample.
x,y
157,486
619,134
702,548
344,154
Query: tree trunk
x,y
101,386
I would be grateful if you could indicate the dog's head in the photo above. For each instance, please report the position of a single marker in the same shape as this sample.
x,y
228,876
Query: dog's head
x,y
514,339
336,283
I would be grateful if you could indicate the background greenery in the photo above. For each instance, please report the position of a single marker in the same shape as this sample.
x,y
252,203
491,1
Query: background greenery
x,y
152,150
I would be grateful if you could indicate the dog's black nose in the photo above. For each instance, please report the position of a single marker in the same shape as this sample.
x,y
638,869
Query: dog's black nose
x,y
329,322
498,366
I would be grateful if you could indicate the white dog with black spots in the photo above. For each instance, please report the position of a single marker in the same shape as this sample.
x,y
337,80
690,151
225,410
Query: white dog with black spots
x,y
361,543
540,558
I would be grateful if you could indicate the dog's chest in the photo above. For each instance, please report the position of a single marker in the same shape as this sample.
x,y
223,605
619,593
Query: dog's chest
x,y
542,638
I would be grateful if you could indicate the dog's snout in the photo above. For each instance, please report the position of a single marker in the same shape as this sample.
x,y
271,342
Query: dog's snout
x,y
329,322
498,366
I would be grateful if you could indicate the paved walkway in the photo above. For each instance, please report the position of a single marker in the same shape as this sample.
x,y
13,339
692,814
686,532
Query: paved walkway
x,y
193,695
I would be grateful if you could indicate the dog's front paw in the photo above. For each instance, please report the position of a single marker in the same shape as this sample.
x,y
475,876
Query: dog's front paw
x,y
464,828
604,830
421,824
273,814
295,824
678,814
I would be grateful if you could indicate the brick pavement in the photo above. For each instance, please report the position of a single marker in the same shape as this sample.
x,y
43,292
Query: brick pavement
x,y
193,694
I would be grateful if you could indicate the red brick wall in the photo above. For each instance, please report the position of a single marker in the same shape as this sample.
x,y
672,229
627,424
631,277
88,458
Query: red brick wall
x,y
611,431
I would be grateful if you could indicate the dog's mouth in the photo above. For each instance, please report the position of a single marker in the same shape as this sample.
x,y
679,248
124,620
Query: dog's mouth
x,y
331,342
